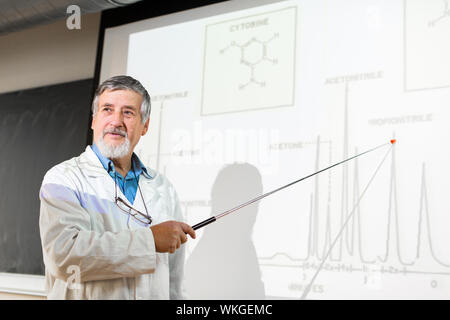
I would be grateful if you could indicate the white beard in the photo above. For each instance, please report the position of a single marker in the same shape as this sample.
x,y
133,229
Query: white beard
x,y
114,152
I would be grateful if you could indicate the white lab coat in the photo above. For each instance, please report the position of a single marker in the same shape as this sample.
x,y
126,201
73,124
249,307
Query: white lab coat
x,y
83,230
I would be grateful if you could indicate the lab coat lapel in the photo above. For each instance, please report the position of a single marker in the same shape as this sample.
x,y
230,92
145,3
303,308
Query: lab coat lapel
x,y
147,195
95,175
91,165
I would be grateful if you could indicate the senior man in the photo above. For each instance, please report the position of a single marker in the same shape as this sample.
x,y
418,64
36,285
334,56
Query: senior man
x,y
110,227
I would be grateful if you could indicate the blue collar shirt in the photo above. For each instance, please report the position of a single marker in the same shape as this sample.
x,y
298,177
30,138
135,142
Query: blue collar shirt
x,y
129,184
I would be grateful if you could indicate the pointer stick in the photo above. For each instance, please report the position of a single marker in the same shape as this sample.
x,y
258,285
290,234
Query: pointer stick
x,y
215,218
344,225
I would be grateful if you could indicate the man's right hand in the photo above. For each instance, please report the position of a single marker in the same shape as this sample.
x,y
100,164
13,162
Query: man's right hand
x,y
170,235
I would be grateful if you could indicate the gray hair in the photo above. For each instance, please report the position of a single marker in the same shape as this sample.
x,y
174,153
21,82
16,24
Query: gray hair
x,y
124,83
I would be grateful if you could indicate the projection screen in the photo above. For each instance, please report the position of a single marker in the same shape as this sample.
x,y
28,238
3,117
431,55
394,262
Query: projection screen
x,y
250,95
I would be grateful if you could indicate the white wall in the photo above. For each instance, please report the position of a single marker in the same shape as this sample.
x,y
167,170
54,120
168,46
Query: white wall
x,y
48,54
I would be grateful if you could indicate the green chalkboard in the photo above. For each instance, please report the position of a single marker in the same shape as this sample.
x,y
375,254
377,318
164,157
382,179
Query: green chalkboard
x,y
38,128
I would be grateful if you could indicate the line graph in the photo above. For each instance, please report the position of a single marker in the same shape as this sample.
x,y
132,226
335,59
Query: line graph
x,y
424,239
350,254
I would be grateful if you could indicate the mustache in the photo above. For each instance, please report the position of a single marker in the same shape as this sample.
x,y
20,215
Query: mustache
x,y
116,131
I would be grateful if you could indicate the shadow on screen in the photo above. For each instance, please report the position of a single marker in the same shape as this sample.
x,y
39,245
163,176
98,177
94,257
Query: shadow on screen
x,y
224,264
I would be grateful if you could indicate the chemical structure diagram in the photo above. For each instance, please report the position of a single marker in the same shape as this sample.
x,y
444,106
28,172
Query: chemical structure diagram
x,y
253,52
445,14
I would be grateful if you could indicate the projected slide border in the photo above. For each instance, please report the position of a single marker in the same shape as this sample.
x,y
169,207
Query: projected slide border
x,y
418,38
250,68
